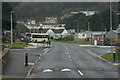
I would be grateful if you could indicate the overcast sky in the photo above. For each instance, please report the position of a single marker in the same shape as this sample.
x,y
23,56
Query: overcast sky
x,y
60,0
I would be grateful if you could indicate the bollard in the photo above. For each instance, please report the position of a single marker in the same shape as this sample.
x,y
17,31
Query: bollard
x,y
26,59
114,57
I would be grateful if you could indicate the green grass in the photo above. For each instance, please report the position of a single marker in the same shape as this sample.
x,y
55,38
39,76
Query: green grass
x,y
80,42
15,45
109,57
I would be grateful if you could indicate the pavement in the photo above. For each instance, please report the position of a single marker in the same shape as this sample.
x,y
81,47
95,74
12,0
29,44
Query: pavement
x,y
38,45
68,61
15,67
83,45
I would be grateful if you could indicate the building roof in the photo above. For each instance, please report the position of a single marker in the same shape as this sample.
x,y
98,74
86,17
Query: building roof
x,y
58,30
117,30
44,30
49,24
98,32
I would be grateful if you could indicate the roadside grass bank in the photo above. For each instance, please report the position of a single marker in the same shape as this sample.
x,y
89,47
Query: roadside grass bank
x,y
15,45
109,57
80,42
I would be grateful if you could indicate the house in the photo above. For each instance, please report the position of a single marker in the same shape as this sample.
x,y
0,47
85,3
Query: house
x,y
50,20
114,34
48,31
53,26
59,33
83,36
98,37
56,33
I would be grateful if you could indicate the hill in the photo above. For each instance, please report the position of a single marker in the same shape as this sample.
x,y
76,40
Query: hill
x,y
40,10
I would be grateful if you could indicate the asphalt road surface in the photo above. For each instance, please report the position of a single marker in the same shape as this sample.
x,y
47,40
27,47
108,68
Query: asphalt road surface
x,y
68,61
102,50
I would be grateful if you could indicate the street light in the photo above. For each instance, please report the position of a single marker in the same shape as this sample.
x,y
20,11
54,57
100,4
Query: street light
x,y
11,28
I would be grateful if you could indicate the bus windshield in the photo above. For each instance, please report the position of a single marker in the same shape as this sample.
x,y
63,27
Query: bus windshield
x,y
39,36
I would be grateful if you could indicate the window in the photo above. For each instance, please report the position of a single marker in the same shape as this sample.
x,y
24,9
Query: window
x,y
83,35
40,36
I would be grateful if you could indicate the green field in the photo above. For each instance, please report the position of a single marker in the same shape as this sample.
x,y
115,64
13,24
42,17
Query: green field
x,y
109,57
14,45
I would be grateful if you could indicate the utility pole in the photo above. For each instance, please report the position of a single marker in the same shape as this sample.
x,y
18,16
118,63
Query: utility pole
x,y
111,25
88,26
11,28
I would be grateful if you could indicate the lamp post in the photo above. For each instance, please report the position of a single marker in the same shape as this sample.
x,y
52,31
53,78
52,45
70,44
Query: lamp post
x,y
11,27
88,26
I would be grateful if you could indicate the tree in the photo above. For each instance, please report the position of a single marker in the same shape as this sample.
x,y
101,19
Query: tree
x,y
71,23
101,21
6,16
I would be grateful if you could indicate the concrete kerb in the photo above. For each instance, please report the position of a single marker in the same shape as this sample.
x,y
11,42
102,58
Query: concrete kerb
x,y
106,60
31,69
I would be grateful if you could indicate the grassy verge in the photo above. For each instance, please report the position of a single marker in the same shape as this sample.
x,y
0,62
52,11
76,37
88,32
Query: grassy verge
x,y
80,42
109,57
15,45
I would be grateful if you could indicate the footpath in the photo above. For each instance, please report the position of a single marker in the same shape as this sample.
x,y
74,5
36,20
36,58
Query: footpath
x,y
15,67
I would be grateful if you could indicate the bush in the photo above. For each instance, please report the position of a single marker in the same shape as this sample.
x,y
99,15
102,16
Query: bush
x,y
5,39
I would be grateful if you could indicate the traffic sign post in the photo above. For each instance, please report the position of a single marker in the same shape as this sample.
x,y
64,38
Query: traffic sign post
x,y
26,59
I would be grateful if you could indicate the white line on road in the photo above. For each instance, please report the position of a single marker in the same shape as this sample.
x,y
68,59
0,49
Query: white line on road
x,y
67,53
48,70
80,72
71,59
47,50
66,48
69,56
90,52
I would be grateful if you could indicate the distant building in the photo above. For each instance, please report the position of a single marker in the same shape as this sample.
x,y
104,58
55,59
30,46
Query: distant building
x,y
85,35
71,31
98,36
32,26
113,33
50,20
89,13
56,33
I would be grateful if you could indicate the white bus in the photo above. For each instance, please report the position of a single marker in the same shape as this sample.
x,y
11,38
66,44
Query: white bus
x,y
39,37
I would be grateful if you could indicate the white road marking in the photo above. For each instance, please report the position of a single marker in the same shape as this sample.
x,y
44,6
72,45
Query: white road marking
x,y
71,59
66,70
67,53
69,56
67,49
90,52
80,72
48,70
46,50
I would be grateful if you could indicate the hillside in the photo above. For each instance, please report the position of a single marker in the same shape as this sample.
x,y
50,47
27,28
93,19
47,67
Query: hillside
x,y
38,11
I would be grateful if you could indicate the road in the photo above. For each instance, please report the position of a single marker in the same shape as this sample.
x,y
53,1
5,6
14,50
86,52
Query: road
x,y
102,50
68,61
